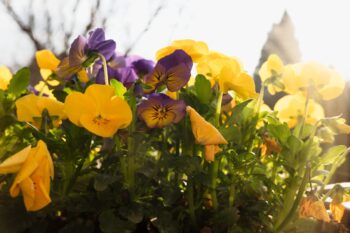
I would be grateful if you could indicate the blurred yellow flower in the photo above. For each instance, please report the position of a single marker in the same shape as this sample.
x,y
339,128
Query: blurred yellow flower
x,y
292,107
34,168
231,78
205,134
313,78
5,77
195,49
98,110
228,73
47,63
30,108
337,209
271,72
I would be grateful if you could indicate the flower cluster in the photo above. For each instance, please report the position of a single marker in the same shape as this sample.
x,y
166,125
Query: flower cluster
x,y
180,144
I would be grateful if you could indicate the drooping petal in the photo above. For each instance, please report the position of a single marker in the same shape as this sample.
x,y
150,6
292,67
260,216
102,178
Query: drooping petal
x,y
28,192
210,151
77,52
65,70
15,162
204,132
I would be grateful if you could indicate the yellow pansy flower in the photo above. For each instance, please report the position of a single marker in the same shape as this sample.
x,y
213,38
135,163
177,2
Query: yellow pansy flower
x,y
314,78
205,134
34,168
98,110
5,77
271,72
30,108
231,78
195,49
291,107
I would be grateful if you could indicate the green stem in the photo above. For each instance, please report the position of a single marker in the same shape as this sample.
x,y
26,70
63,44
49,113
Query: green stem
x,y
296,203
105,71
75,176
215,164
130,178
191,208
260,99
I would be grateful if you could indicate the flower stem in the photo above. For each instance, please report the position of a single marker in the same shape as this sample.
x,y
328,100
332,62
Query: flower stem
x,y
130,178
190,201
105,71
215,164
260,99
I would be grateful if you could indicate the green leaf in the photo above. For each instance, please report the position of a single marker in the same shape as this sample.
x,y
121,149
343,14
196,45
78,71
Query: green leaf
x,y
332,154
281,132
119,88
294,144
102,181
203,89
19,82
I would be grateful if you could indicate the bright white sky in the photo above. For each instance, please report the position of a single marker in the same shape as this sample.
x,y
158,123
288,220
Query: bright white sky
x,y
235,27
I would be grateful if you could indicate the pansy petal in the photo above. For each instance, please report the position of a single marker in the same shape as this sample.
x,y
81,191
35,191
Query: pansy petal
x,y
96,36
5,77
177,77
26,108
77,53
65,70
42,197
103,127
83,76
46,60
28,192
210,151
14,163
204,132
77,104
106,48
101,94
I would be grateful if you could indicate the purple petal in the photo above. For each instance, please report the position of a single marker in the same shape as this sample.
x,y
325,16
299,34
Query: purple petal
x,y
95,37
106,48
127,76
117,61
226,98
100,75
177,77
177,57
77,53
143,66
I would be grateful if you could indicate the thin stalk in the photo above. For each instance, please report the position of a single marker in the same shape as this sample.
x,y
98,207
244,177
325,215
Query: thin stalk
x,y
75,176
105,71
260,99
130,178
191,208
296,203
215,164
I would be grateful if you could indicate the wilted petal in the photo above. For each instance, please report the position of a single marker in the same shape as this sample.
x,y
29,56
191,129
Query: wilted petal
x,y
77,52
65,70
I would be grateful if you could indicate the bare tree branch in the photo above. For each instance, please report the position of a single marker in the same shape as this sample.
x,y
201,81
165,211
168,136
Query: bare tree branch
x,y
93,13
145,29
27,29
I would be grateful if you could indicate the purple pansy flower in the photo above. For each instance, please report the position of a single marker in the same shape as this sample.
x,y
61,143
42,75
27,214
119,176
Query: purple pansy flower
x,y
160,110
84,48
125,75
173,70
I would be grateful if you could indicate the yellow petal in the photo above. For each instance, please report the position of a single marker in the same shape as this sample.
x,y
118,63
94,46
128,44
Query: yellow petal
x,y
337,210
5,77
272,64
204,132
78,104
104,127
334,87
101,94
27,109
14,163
41,198
28,192
83,76
155,122
210,152
46,60
195,49
54,107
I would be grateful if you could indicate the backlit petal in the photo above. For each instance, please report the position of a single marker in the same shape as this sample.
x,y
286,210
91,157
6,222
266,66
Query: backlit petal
x,y
14,163
46,60
78,104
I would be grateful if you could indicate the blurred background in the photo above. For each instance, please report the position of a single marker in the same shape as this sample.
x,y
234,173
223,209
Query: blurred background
x,y
296,30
